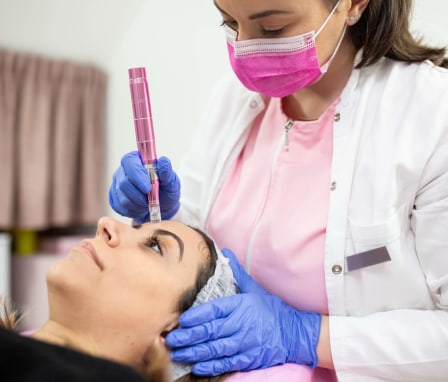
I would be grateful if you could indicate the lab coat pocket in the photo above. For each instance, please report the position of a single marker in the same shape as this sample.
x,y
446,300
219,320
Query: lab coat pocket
x,y
371,245
367,237
386,278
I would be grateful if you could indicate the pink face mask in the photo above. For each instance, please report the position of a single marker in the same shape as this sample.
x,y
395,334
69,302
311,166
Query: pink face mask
x,y
278,67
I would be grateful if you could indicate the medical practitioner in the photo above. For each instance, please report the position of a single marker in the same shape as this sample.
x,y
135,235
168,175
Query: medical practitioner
x,y
323,165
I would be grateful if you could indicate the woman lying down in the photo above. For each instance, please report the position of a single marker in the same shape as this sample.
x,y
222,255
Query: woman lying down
x,y
114,298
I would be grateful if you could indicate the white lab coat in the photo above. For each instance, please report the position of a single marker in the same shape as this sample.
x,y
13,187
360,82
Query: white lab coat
x,y
388,322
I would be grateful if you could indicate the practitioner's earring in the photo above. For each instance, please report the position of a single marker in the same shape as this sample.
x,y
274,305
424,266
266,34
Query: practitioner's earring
x,y
353,19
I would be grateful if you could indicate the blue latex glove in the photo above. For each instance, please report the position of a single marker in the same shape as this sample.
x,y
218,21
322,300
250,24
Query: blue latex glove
x,y
251,330
128,193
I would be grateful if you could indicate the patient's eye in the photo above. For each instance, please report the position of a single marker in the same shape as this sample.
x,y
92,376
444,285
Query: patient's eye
x,y
154,244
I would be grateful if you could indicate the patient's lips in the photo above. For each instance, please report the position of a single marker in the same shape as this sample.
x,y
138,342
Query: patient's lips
x,y
91,251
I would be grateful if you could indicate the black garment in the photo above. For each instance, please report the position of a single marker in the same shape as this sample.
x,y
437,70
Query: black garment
x,y
23,359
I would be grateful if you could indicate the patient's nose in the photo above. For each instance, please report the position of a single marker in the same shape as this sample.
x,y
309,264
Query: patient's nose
x,y
109,230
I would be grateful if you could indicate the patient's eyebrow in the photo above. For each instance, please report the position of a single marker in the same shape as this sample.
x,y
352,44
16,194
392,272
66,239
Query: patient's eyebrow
x,y
180,243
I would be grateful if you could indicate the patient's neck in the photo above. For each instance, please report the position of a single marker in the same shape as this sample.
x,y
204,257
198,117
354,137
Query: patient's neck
x,y
57,334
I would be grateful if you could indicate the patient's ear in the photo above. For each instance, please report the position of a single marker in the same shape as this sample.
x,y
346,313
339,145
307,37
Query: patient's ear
x,y
157,361
159,343
157,357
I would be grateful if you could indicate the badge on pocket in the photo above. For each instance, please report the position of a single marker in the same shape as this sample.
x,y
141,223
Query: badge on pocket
x,y
367,258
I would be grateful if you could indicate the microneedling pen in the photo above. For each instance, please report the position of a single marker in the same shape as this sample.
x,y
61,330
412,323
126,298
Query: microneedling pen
x,y
144,134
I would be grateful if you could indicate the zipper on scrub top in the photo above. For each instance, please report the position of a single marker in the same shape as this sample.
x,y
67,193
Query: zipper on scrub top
x,y
289,123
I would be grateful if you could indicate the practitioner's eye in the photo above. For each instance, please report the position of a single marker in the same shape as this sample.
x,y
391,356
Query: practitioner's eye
x,y
272,32
231,24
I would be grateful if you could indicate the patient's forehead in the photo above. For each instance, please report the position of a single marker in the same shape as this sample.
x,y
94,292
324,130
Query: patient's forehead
x,y
180,229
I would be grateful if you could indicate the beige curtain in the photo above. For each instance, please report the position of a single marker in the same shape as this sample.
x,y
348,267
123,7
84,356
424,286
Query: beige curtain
x,y
52,117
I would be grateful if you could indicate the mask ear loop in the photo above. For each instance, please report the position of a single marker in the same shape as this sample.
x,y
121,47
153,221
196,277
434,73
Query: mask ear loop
x,y
325,66
328,18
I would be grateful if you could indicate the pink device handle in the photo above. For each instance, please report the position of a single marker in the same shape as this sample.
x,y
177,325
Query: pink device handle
x,y
141,106
144,134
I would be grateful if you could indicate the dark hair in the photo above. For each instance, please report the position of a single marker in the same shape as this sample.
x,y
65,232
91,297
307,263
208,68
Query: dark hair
x,y
187,298
205,271
384,31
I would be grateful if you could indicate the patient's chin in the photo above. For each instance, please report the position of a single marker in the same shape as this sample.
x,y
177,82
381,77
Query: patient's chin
x,y
58,279
71,274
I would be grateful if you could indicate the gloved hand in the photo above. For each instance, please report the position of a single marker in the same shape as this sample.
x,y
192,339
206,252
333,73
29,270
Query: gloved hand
x,y
128,193
251,330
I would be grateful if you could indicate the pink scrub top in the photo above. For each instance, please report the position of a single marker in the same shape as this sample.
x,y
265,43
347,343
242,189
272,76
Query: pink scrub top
x,y
272,213
284,373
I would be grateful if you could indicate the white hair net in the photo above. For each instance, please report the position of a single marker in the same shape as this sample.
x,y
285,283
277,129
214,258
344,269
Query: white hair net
x,y
221,284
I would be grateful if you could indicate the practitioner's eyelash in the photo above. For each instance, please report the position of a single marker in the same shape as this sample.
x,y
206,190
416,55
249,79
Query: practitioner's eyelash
x,y
273,32
266,32
230,23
